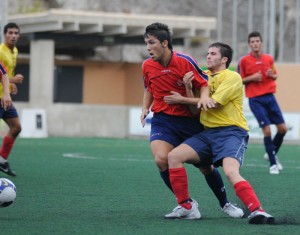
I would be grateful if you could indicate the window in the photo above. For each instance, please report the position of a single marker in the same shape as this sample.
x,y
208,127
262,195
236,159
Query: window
x,y
23,89
68,84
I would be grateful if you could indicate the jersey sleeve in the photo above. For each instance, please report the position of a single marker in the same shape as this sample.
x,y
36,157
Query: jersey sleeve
x,y
200,77
145,77
2,69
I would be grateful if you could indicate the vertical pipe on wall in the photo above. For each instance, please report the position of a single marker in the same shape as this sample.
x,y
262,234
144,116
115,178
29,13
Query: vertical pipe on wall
x,y
266,17
250,16
3,9
297,31
219,20
281,31
272,27
234,30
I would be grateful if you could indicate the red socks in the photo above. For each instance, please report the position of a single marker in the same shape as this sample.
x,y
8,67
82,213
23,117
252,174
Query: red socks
x,y
247,195
6,147
179,182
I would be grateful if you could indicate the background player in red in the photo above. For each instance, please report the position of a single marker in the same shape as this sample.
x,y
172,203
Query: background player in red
x,y
173,123
259,74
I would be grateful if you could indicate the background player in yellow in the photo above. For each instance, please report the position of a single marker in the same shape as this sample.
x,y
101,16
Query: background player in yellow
x,y
8,57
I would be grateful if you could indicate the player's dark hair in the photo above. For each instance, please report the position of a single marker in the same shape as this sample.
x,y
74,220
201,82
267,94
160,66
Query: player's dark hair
x,y
10,26
160,31
225,50
254,34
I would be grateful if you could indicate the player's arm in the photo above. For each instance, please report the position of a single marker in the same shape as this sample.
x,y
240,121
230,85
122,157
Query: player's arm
x,y
271,73
255,77
206,102
18,78
6,101
189,99
147,102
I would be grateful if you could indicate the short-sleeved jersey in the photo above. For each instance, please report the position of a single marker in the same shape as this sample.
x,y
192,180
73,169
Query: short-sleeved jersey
x,y
249,65
226,88
160,81
9,60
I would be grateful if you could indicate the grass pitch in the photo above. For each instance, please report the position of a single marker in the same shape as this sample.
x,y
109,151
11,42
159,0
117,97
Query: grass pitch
x,y
112,186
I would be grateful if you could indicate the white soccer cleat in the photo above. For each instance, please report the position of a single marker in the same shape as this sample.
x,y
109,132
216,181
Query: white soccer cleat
x,y
180,212
266,157
260,217
274,170
233,211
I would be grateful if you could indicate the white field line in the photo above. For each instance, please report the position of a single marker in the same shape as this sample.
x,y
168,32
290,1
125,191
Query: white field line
x,y
129,158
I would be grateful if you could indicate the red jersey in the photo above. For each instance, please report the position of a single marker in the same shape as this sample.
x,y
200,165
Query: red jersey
x,y
160,80
249,65
2,70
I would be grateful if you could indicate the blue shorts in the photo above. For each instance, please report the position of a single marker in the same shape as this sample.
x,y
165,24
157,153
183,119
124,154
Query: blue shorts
x,y
9,113
173,129
266,110
218,143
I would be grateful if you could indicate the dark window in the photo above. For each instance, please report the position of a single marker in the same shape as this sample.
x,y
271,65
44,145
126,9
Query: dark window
x,y
68,84
23,89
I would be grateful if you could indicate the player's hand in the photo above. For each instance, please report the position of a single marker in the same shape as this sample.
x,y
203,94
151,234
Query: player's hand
x,y
18,78
187,80
14,90
257,77
6,101
270,74
206,103
144,114
174,98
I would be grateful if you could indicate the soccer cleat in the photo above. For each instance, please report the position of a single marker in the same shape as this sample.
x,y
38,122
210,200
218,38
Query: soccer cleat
x,y
180,212
279,166
266,157
260,217
232,211
4,167
194,201
274,170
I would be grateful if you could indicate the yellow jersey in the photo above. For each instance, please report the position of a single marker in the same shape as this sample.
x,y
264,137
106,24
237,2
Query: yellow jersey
x,y
9,59
226,88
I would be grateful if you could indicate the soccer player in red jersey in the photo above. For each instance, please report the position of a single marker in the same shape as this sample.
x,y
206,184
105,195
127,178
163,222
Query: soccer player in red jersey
x,y
259,74
8,56
165,71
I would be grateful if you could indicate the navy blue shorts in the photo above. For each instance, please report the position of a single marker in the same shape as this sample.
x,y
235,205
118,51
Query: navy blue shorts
x,y
174,129
9,113
218,143
266,110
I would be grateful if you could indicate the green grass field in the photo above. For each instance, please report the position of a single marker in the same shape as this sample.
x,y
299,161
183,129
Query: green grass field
x,y
112,186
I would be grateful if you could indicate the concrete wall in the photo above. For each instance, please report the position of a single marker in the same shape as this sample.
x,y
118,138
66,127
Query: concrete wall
x,y
288,84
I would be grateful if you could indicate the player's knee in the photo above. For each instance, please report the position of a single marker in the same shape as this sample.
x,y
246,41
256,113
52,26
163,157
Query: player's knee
x,y
206,170
161,161
231,175
282,129
173,158
16,130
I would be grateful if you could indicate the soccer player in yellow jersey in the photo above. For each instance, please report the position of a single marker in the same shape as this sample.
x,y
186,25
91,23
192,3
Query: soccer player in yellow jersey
x,y
223,142
8,57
